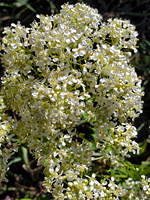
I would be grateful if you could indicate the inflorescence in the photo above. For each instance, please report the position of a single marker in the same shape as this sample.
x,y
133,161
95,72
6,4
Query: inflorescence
x,y
63,70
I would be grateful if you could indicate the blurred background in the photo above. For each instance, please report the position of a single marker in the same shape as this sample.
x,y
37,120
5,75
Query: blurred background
x,y
25,182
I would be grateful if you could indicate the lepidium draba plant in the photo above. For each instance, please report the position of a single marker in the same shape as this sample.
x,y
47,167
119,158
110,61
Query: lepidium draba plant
x,y
64,71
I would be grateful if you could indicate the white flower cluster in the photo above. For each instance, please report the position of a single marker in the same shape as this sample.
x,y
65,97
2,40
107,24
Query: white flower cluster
x,y
8,144
134,191
63,69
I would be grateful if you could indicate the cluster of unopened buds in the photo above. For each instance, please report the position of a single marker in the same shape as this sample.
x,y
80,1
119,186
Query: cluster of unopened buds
x,y
64,71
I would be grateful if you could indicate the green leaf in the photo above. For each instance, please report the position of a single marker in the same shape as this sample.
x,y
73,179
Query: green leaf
x,y
147,59
30,7
6,5
15,160
145,164
43,197
52,5
147,42
20,3
142,46
123,171
143,146
141,126
25,199
25,157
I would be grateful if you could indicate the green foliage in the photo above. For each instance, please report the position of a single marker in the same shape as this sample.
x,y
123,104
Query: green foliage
x,y
14,160
25,199
25,159
43,197
18,4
